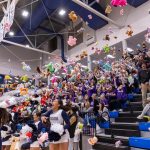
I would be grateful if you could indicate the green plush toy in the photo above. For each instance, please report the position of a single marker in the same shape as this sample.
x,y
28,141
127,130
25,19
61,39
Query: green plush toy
x,y
24,78
50,67
106,48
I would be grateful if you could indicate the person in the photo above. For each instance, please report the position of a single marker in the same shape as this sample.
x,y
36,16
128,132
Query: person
x,y
38,126
95,104
73,142
4,118
144,77
146,110
58,116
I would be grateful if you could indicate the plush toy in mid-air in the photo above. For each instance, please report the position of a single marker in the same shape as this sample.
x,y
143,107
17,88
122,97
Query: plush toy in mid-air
x,y
108,9
25,66
24,78
129,31
93,141
50,67
120,3
106,48
72,41
72,16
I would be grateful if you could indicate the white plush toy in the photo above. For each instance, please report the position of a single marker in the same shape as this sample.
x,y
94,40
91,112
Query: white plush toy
x,y
24,130
118,144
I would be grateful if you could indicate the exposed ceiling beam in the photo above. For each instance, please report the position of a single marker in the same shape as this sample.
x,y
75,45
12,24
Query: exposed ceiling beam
x,y
28,48
96,13
24,33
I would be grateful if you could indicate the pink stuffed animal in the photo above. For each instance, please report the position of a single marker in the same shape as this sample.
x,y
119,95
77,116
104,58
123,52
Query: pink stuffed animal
x,y
119,3
72,41
43,138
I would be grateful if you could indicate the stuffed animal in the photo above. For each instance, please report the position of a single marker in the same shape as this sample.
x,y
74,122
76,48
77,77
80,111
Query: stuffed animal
x,y
106,48
118,144
92,141
108,9
25,66
43,138
79,128
83,54
107,38
72,16
7,77
120,3
129,31
15,143
72,41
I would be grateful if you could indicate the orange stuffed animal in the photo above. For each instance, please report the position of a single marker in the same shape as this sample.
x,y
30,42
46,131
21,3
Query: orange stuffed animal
x,y
72,15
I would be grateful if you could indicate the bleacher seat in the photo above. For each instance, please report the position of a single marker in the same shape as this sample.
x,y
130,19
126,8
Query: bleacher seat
x,y
105,125
113,114
144,126
139,142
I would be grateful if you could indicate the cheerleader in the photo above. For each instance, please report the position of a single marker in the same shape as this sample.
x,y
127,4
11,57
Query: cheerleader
x,y
59,137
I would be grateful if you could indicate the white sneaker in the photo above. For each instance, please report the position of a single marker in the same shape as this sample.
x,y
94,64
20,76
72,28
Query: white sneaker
x,y
140,117
120,110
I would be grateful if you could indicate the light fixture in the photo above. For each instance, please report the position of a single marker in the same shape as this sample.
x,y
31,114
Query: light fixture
x,y
40,58
25,13
11,33
62,12
27,45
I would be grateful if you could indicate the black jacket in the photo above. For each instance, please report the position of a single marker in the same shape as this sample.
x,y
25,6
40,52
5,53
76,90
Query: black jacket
x,y
144,76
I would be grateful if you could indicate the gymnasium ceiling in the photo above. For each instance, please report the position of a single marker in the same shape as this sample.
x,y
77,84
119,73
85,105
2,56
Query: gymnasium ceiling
x,y
44,13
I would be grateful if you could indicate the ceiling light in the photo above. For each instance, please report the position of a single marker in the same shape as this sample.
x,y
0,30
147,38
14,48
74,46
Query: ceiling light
x,y
62,12
25,13
27,45
11,33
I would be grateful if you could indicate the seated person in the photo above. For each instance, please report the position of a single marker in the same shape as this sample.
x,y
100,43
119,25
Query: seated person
x,y
146,110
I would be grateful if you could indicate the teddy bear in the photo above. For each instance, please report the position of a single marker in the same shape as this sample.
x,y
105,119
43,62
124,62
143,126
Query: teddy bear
x,y
72,16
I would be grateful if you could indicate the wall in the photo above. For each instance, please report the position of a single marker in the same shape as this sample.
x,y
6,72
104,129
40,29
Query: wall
x,y
138,18
16,56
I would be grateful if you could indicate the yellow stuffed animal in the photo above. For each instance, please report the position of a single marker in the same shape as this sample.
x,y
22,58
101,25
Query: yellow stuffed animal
x,y
72,16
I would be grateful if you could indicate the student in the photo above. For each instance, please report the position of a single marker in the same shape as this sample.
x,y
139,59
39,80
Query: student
x,y
58,116
4,118
146,110
36,131
73,145
144,77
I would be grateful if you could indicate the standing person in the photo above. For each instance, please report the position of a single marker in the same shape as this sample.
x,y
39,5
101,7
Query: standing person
x,y
95,104
144,77
4,118
58,116
73,143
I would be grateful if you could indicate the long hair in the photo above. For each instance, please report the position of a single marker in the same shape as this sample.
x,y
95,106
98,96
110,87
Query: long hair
x,y
4,116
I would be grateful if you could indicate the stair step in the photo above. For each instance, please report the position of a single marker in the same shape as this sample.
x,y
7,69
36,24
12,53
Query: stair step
x,y
128,114
120,125
123,132
107,146
134,108
133,104
126,119
109,139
